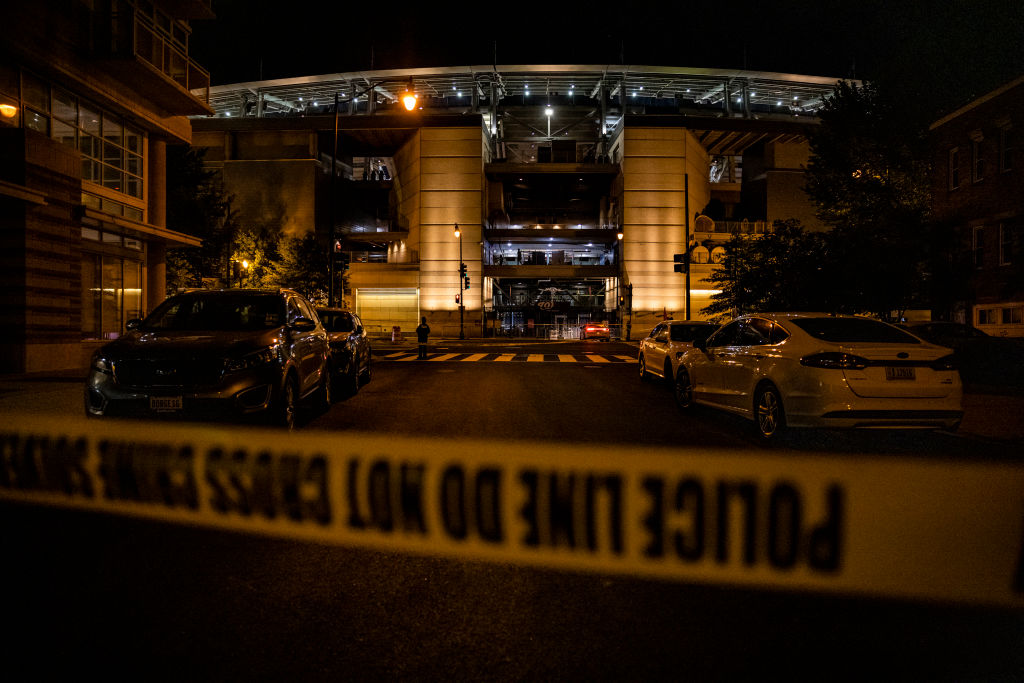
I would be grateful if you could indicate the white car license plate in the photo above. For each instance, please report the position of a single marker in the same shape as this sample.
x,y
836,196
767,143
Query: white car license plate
x,y
899,373
165,402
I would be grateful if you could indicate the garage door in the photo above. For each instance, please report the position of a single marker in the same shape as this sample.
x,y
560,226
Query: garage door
x,y
383,308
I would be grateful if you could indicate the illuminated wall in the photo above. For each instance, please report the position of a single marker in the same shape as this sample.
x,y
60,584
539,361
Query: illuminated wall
x,y
450,191
657,163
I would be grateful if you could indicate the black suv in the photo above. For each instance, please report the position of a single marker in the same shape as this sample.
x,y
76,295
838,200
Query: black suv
x,y
350,348
215,354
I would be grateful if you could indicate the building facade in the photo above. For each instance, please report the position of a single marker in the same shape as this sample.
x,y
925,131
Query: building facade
x,y
978,193
573,187
90,94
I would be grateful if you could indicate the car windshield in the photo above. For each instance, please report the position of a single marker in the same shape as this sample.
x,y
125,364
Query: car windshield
x,y
853,330
336,322
689,333
217,312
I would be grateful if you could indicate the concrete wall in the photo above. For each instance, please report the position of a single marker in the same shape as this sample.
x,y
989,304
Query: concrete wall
x,y
272,175
656,165
450,191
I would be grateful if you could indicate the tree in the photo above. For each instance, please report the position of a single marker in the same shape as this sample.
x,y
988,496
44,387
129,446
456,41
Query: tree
x,y
198,206
785,270
868,177
304,267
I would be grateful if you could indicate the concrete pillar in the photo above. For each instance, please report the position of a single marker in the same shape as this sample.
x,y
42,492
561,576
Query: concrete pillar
x,y
156,252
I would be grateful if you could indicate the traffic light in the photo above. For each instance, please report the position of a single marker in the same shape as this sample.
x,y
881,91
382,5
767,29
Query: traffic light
x,y
462,270
458,298
467,282
337,246
682,264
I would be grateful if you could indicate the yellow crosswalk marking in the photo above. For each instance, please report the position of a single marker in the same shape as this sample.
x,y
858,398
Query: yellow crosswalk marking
x,y
447,356
506,356
629,358
566,358
535,358
597,359
475,356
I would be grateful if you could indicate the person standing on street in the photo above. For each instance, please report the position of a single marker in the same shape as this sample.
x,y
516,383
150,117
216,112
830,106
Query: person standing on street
x,y
422,332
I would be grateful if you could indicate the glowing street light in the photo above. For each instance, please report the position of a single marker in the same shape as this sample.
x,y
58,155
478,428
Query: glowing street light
x,y
409,98
462,293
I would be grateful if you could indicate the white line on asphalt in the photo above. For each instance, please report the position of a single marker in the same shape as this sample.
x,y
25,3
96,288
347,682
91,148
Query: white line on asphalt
x,y
566,358
475,356
535,358
597,359
505,356
447,356
631,358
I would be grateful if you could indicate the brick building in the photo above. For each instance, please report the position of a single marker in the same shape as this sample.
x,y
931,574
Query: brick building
x,y
90,95
978,191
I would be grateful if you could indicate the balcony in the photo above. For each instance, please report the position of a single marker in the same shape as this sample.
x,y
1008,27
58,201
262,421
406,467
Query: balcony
x,y
135,51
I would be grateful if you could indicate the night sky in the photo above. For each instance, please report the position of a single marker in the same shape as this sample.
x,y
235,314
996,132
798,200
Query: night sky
x,y
940,52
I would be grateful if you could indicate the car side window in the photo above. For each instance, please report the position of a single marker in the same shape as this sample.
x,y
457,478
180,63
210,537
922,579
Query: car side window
x,y
760,331
750,335
294,311
727,336
657,329
662,335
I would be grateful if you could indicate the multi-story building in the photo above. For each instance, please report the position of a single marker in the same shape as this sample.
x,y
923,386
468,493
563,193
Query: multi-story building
x,y
978,190
90,95
573,187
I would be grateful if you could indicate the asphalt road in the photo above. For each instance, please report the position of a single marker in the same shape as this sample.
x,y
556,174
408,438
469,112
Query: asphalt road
x,y
93,595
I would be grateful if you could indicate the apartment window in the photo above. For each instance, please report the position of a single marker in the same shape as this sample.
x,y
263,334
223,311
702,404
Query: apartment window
x,y
977,161
988,316
978,247
954,168
1006,149
1006,235
1013,315
111,295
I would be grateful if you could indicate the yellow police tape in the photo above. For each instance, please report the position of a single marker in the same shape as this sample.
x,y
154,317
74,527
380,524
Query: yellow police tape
x,y
880,526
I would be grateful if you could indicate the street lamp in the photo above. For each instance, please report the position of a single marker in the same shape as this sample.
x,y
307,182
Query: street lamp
x,y
548,111
462,274
331,212
409,97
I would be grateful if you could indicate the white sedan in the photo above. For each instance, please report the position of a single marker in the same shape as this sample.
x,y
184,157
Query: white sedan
x,y
821,370
661,350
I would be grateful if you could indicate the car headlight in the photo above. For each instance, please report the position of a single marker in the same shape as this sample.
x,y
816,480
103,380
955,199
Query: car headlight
x,y
102,364
255,359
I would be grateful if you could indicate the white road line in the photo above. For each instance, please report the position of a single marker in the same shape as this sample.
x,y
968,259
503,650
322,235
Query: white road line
x,y
629,358
597,359
535,358
566,358
396,355
475,356
447,356
505,356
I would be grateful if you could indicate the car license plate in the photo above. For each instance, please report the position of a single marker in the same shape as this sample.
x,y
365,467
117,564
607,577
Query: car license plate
x,y
899,373
165,403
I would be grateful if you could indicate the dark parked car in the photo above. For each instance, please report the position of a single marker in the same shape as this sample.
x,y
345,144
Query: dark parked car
x,y
982,358
215,354
350,348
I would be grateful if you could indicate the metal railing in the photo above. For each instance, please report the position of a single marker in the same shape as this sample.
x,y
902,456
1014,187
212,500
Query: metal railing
x,y
161,53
